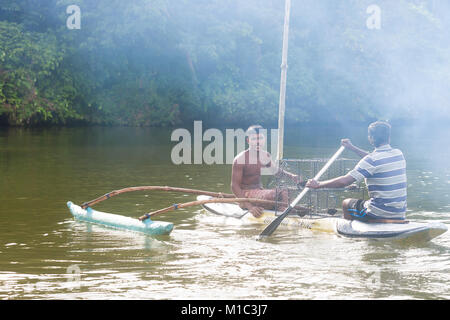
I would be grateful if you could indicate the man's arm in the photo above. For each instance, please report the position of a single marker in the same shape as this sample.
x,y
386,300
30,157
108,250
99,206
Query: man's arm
x,y
276,170
340,182
298,179
348,145
236,179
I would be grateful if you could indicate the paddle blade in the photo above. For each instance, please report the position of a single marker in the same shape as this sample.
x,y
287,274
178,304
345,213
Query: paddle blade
x,y
273,225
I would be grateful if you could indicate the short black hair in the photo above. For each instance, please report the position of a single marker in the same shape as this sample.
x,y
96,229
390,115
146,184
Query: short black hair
x,y
254,129
380,132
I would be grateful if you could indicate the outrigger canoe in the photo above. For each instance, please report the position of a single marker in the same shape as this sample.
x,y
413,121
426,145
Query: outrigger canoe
x,y
119,222
414,231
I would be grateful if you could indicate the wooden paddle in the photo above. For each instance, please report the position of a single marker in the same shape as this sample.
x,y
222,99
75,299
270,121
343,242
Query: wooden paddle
x,y
216,200
275,223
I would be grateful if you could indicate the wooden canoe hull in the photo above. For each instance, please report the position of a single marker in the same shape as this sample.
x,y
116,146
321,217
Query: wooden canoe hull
x,y
414,231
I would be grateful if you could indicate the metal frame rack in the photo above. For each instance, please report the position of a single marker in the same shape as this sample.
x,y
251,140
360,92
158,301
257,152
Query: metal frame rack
x,y
319,201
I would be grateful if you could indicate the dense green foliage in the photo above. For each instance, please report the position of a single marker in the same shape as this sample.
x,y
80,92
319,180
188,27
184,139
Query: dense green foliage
x,y
164,62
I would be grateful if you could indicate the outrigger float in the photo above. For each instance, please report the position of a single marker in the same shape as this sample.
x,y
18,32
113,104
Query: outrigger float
x,y
143,225
119,222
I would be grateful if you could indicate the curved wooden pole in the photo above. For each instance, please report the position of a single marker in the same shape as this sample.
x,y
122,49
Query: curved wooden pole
x,y
153,188
215,200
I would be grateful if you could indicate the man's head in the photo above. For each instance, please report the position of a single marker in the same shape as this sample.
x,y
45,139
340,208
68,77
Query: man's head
x,y
379,133
255,137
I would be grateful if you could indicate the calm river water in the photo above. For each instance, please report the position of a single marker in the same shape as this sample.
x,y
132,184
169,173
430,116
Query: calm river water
x,y
45,254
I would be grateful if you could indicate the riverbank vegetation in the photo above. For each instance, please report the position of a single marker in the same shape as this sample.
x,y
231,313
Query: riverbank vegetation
x,y
168,62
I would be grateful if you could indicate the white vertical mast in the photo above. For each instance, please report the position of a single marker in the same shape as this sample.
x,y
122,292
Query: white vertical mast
x,y
283,81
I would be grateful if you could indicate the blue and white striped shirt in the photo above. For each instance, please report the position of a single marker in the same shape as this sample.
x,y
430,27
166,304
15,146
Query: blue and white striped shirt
x,y
384,171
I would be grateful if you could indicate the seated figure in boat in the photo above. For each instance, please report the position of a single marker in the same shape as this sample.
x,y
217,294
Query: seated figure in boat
x,y
246,174
384,171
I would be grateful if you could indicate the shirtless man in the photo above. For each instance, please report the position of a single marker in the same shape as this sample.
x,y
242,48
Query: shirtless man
x,y
246,173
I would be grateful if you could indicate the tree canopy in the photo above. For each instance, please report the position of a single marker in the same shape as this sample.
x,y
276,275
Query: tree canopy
x,y
167,62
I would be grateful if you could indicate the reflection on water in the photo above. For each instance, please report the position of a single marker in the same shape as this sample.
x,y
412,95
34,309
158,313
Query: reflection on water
x,y
45,254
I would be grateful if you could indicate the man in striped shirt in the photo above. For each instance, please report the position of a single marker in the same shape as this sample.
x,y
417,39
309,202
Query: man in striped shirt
x,y
384,171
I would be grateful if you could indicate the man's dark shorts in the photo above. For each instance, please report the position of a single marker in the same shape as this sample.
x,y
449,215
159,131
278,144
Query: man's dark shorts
x,y
356,210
